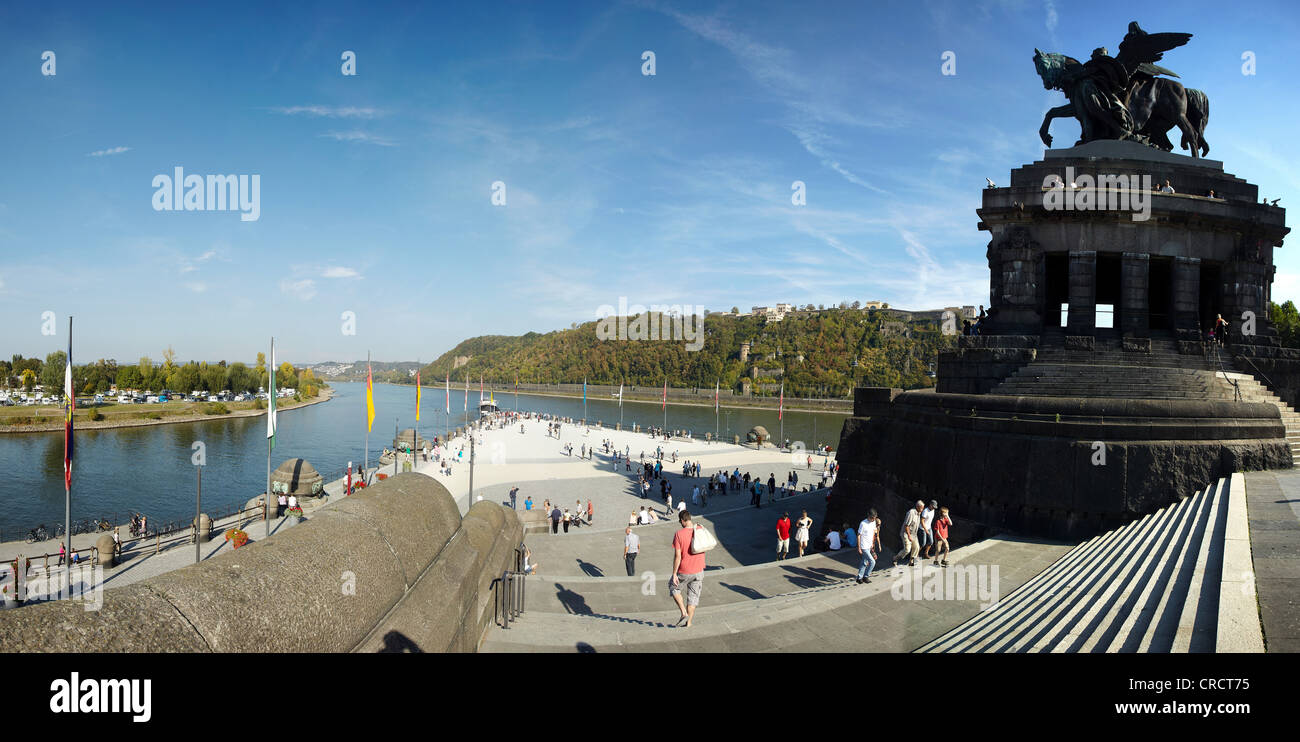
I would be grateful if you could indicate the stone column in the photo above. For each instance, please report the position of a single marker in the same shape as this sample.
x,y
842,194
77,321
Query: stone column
x,y
1187,297
1135,294
1247,290
1082,319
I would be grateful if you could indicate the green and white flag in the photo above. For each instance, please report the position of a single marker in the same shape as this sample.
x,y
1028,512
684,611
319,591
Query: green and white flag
x,y
270,399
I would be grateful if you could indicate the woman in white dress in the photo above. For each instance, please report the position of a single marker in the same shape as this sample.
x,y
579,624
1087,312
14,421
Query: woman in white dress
x,y
801,535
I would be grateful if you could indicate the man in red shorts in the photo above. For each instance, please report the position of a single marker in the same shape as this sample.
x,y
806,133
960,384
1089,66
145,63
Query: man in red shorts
x,y
688,570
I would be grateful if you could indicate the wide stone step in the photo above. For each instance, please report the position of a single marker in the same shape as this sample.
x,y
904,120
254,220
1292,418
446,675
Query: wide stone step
x,y
991,626
1152,585
1109,621
1091,608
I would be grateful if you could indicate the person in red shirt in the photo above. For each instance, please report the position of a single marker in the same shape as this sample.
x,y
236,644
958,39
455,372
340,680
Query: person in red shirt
x,y
688,570
941,525
783,536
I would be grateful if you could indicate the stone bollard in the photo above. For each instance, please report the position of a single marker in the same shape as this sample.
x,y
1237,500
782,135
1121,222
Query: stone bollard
x,y
619,426
205,528
105,546
735,439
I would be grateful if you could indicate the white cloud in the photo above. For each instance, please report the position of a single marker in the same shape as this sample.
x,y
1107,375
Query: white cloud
x,y
333,112
303,289
335,271
110,151
188,266
359,136
197,287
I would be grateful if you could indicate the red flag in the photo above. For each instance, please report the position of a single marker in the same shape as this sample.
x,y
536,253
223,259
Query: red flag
x,y
780,408
70,394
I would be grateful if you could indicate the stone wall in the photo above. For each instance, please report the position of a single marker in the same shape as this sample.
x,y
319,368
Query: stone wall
x,y
420,577
982,362
1026,464
1277,368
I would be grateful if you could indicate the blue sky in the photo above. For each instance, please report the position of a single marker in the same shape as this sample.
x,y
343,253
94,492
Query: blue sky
x,y
376,188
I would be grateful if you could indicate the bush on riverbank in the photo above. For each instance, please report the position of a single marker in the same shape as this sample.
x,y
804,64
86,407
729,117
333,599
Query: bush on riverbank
x,y
215,408
96,415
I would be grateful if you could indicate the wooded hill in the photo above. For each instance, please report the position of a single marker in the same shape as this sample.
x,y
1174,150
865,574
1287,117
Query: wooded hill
x,y
819,353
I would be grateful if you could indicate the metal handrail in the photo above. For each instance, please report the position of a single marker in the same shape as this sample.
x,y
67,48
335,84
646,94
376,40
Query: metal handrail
x,y
1236,388
1267,380
509,601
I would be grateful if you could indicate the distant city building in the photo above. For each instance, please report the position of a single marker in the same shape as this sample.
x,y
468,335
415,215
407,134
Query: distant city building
x,y
773,314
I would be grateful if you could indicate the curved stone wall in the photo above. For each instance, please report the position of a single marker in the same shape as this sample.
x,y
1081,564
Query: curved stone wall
x,y
339,582
1012,465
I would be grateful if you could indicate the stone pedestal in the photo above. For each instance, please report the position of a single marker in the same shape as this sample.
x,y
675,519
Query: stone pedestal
x,y
105,546
205,528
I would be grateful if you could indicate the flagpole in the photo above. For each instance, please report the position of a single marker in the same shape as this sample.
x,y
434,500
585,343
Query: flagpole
x,y
70,404
415,438
366,464
270,411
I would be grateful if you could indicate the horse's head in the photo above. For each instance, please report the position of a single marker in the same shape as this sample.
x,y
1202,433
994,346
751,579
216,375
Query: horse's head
x,y
1050,67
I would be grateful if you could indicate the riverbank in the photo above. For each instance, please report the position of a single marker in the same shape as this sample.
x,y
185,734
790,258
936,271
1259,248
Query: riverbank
x,y
169,413
535,461
833,406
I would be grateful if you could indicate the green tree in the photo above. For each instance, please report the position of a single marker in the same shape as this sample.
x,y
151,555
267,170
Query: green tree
x,y
52,374
242,378
1286,320
285,376
128,377
185,379
28,380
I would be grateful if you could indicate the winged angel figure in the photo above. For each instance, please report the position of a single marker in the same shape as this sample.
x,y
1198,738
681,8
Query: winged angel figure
x,y
1128,96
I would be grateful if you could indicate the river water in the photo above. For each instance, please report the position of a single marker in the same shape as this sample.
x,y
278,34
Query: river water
x,y
148,469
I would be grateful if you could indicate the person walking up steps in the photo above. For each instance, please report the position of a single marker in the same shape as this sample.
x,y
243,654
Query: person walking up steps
x,y
688,571
783,536
867,539
925,536
941,526
908,534
805,525
631,546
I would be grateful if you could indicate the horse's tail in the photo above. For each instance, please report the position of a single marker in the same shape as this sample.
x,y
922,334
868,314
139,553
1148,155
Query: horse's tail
x,y
1198,114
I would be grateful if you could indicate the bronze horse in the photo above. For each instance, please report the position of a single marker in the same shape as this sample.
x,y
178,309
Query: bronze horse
x,y
1125,97
1158,104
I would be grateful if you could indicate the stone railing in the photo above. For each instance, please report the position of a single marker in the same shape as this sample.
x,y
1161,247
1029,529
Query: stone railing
x,y
393,568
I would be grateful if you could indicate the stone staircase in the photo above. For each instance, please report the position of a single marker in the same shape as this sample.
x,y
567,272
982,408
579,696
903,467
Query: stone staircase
x,y
1164,373
1169,582
1253,391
